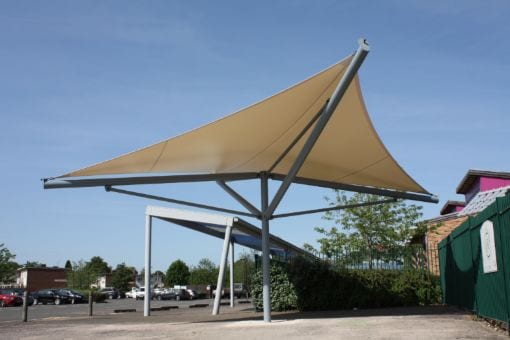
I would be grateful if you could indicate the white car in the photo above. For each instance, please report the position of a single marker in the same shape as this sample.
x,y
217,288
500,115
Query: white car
x,y
140,293
132,293
136,293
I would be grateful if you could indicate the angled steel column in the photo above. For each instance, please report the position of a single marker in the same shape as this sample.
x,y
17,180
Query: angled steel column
x,y
266,282
148,241
337,95
231,274
223,263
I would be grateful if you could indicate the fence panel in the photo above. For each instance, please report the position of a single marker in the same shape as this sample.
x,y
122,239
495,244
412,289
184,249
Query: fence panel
x,y
504,229
490,288
463,280
459,274
405,257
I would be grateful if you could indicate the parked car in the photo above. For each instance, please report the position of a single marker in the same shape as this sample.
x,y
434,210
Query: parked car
x,y
132,293
136,293
111,293
140,294
210,290
180,293
74,296
9,299
50,295
19,292
192,294
223,292
163,294
239,291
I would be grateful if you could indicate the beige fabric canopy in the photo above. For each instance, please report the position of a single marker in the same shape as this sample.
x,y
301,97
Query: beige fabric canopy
x,y
349,151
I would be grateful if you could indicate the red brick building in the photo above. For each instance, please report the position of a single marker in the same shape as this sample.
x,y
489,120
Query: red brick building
x,y
39,278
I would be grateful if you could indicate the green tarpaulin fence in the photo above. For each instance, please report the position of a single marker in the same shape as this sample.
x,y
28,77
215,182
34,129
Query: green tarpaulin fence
x,y
463,280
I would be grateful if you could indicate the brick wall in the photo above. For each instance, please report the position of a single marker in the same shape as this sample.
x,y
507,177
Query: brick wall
x,y
40,278
437,231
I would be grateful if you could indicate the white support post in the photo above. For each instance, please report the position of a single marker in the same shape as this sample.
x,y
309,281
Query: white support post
x,y
231,274
223,264
148,241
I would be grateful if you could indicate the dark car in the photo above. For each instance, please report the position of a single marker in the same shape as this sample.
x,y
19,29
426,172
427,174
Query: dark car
x,y
45,296
163,294
9,299
19,292
111,293
74,296
192,294
180,294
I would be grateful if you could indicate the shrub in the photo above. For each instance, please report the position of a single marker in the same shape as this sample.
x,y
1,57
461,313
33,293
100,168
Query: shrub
x,y
283,294
100,297
97,296
417,287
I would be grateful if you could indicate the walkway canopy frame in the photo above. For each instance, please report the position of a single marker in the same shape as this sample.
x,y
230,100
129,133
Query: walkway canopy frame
x,y
230,229
288,167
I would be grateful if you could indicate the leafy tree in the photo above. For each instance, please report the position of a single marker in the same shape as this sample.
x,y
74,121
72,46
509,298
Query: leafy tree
x,y
177,274
205,272
86,273
97,267
385,226
122,277
7,265
69,265
34,264
244,269
79,277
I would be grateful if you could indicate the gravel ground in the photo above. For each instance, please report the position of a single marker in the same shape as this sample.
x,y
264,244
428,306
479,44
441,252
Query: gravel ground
x,y
242,323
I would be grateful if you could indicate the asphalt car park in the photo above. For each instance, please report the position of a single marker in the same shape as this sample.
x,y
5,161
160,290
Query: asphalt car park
x,y
110,306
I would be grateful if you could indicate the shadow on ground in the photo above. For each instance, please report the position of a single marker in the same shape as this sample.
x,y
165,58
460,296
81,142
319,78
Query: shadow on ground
x,y
397,311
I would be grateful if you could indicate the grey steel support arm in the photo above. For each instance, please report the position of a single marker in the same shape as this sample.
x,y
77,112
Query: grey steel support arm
x,y
56,183
426,197
250,207
340,90
171,200
338,207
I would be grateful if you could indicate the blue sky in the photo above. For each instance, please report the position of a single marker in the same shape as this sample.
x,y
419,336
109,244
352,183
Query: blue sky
x,y
82,82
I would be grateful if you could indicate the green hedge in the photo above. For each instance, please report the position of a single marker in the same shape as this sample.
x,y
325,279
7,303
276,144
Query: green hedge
x,y
307,285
